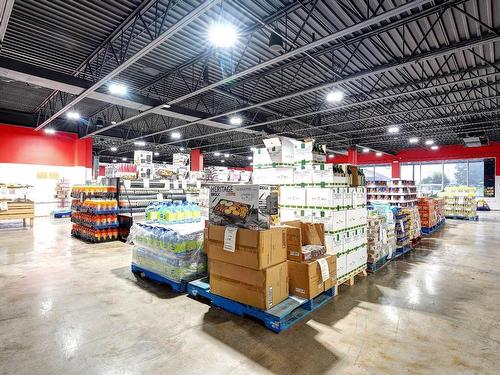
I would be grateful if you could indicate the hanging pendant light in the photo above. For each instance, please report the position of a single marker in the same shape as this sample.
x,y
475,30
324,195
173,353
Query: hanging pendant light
x,y
275,43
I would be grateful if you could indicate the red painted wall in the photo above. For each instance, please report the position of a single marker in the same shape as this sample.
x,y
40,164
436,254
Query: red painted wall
x,y
23,145
196,160
413,155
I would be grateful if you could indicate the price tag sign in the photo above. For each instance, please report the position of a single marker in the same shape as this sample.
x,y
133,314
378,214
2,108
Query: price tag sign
x,y
127,184
146,183
175,184
230,238
198,184
3,206
167,184
325,272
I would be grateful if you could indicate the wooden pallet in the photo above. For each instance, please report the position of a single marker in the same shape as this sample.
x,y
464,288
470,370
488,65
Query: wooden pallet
x,y
19,211
349,278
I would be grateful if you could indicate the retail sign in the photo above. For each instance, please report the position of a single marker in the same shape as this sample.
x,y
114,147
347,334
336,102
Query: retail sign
x,y
181,160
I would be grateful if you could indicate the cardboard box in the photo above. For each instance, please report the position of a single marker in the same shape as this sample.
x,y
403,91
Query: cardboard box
x,y
304,151
292,196
277,150
262,289
303,174
341,265
253,249
323,173
324,217
338,195
306,279
339,220
236,205
273,176
299,234
319,197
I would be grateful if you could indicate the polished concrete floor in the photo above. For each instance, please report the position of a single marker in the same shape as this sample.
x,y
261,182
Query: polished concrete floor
x,y
70,308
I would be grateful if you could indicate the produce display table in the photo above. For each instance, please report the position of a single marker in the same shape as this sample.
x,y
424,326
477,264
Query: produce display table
x,y
18,210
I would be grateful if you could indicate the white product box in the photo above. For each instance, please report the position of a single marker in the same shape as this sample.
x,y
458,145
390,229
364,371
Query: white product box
x,y
323,217
322,173
349,240
292,196
341,265
360,195
305,215
351,261
303,174
273,176
350,218
303,151
339,220
335,243
277,150
319,197
348,193
289,214
363,256
236,205
338,197
340,180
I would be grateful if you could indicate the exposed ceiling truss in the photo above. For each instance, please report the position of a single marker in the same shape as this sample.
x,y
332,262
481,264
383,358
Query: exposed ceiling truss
x,y
429,67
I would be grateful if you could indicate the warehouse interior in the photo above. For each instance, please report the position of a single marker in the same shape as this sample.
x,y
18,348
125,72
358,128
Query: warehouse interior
x,y
158,105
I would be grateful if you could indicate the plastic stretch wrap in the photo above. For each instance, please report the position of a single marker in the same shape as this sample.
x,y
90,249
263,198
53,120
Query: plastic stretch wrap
x,y
173,252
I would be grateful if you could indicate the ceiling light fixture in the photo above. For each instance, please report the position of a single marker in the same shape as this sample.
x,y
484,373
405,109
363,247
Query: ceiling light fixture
x,y
175,135
222,35
335,96
140,143
366,150
113,122
114,149
157,153
413,140
249,158
117,89
275,42
73,115
253,149
434,147
216,153
124,159
235,120
182,149
166,106
226,155
429,142
49,131
331,156
393,129
222,160
378,153
114,160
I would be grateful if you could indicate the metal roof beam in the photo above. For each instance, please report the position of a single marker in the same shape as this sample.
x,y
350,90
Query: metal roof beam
x,y
328,39
178,26
5,11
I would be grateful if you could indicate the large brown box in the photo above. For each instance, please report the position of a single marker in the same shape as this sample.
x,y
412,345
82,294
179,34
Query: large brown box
x,y
259,288
298,234
305,278
256,249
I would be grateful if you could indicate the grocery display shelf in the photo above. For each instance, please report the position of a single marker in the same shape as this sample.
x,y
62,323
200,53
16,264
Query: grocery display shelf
x,y
277,319
458,217
91,240
430,230
177,287
95,212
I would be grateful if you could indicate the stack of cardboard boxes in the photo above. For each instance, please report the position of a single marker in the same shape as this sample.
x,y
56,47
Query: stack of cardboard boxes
x,y
313,191
374,236
427,211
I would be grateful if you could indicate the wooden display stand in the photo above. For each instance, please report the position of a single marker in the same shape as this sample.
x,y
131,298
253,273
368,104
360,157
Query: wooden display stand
x,y
18,211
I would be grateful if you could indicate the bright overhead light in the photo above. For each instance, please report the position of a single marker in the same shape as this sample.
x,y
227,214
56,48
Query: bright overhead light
x,y
140,143
216,153
413,140
157,153
222,34
253,149
331,156
114,149
429,142
393,129
378,153
124,159
226,155
434,147
235,120
49,131
175,135
166,105
113,122
72,115
222,160
117,89
366,150
114,160
335,96
249,158
182,149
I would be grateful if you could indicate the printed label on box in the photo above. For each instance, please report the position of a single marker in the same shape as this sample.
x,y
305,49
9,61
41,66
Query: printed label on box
x,y
230,238
325,272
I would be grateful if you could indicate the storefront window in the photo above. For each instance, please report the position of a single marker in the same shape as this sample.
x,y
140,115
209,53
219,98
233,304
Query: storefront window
x,y
476,176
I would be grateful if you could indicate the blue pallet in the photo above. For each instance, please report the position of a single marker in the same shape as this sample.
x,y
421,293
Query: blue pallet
x,y
432,229
62,214
178,287
473,218
374,267
400,251
277,318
